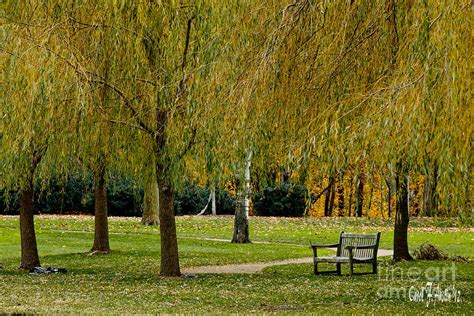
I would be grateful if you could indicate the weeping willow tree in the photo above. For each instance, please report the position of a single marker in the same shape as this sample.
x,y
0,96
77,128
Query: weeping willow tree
x,y
105,142
162,60
362,83
241,147
154,75
37,121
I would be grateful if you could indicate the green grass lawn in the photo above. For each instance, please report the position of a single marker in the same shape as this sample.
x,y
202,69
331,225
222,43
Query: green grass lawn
x,y
127,281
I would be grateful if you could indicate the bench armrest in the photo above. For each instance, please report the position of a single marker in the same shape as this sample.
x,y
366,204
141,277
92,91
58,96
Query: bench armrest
x,y
315,247
324,246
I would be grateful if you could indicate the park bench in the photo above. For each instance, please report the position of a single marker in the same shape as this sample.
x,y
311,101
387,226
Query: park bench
x,y
351,249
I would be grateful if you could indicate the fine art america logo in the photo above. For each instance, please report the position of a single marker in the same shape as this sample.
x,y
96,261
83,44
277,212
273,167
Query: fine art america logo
x,y
432,293
434,284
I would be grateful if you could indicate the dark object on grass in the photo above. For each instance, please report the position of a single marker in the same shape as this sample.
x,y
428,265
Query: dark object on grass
x,y
429,252
48,270
189,276
460,259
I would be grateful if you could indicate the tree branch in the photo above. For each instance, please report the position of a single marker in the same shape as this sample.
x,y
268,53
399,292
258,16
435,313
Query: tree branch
x,y
127,103
186,45
190,144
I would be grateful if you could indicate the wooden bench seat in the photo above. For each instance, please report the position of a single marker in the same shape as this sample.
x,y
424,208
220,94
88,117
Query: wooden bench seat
x,y
351,249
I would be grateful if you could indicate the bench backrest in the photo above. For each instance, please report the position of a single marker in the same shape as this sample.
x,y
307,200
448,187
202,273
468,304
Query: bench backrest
x,y
358,240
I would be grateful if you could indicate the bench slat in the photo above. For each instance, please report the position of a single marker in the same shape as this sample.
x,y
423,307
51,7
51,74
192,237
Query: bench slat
x,y
336,259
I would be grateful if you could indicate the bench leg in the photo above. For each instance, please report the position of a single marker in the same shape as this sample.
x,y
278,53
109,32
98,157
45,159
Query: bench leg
x,y
351,267
316,268
338,268
374,267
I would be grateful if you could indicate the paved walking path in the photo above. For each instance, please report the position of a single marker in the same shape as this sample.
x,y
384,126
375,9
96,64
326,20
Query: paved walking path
x,y
258,267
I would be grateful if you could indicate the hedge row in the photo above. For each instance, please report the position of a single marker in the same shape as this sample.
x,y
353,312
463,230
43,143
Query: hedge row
x,y
125,198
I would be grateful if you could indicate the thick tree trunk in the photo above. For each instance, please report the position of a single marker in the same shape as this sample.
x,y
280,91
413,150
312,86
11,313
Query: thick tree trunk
x,y
151,203
169,241
340,195
241,223
101,228
360,195
29,249
430,197
402,218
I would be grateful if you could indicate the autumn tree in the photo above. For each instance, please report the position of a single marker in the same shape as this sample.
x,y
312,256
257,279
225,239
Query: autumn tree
x,y
162,60
37,122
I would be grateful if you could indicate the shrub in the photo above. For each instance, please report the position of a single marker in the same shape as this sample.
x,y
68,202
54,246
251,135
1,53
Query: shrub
x,y
225,203
9,202
281,200
193,198
75,195
124,197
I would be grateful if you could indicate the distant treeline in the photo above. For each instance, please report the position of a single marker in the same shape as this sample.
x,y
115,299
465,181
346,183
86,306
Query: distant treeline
x,y
124,198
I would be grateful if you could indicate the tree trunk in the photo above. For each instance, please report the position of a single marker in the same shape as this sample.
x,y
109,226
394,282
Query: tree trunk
x,y
350,197
340,195
430,197
330,194
360,195
29,249
101,229
333,196
371,192
284,175
213,200
241,224
402,218
389,196
151,203
381,197
327,199
169,241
